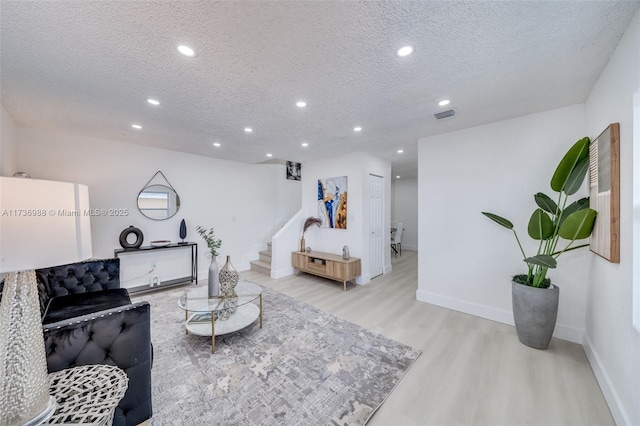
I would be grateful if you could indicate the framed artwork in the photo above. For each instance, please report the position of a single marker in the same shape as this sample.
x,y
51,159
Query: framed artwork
x,y
332,202
294,170
604,193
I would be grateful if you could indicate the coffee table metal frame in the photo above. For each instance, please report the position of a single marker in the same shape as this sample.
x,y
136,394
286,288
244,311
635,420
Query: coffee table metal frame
x,y
200,310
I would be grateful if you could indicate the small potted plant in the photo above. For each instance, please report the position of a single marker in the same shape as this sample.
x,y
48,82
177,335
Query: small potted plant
x,y
534,298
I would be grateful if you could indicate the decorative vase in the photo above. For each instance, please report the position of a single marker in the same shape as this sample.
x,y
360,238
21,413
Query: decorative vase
x,y
183,231
345,253
534,312
228,277
302,244
124,238
214,283
228,280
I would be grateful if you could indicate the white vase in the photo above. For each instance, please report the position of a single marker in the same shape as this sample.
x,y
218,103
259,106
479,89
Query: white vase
x,y
214,280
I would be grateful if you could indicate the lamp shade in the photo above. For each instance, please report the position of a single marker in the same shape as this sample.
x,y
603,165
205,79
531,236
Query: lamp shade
x,y
43,223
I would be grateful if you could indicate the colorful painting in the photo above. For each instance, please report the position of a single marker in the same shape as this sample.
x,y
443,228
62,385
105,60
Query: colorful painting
x,y
332,202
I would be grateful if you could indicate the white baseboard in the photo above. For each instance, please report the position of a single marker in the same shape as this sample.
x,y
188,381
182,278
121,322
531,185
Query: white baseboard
x,y
284,272
386,269
506,317
618,412
481,311
363,279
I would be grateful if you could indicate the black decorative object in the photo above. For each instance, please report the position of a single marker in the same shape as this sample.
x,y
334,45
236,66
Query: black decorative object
x,y
125,234
183,231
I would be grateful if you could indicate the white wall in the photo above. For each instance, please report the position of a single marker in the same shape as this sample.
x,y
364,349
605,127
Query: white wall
x,y
404,208
465,260
237,199
611,342
288,195
356,167
8,144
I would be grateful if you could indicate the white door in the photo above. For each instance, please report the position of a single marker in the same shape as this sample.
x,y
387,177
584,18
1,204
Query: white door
x,y
376,249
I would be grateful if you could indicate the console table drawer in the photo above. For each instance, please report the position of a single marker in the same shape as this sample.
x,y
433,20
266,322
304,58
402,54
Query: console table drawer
x,y
317,268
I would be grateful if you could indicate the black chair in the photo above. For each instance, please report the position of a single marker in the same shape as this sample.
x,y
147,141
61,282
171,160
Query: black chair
x,y
89,319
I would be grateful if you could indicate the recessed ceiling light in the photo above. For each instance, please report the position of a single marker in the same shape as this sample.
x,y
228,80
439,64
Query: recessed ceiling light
x,y
269,155
186,50
444,102
301,104
357,129
398,177
305,144
153,101
248,129
400,151
216,144
136,126
404,51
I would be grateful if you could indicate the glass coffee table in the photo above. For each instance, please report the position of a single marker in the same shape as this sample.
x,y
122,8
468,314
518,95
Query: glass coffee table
x,y
215,316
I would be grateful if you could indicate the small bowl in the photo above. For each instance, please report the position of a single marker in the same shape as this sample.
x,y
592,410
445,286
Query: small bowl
x,y
160,243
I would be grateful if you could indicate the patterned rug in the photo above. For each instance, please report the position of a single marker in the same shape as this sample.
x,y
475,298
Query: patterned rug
x,y
304,367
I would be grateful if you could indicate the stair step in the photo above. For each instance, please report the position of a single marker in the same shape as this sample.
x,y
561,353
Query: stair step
x,y
268,246
265,256
260,266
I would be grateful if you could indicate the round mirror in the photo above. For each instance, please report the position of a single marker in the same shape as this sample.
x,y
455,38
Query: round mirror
x,y
158,202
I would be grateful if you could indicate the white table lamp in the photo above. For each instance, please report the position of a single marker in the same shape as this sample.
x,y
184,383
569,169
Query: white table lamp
x,y
42,223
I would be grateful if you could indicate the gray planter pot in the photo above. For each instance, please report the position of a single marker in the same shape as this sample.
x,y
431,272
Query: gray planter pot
x,y
535,311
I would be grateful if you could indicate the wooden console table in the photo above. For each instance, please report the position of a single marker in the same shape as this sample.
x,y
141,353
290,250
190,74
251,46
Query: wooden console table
x,y
327,265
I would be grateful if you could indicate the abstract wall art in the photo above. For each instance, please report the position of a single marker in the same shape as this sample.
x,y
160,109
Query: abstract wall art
x,y
332,202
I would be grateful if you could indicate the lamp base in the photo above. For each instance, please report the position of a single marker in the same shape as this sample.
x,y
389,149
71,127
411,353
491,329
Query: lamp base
x,y
45,415
24,382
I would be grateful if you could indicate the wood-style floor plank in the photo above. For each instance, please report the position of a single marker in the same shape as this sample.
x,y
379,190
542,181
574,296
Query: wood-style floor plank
x,y
472,371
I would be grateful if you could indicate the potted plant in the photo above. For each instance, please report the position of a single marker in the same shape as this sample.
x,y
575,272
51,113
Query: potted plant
x,y
534,298
213,244
307,223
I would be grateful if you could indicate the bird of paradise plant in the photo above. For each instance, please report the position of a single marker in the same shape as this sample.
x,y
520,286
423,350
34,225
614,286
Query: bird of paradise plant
x,y
555,220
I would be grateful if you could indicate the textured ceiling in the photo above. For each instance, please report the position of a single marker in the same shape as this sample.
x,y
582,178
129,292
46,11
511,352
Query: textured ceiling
x,y
87,67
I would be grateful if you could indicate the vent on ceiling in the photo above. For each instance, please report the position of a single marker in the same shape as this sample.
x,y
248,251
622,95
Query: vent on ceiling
x,y
444,114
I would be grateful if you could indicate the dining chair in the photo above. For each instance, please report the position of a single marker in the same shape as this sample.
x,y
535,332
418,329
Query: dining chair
x,y
396,239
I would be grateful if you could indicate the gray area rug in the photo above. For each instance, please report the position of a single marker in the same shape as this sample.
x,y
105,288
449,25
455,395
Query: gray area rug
x,y
304,367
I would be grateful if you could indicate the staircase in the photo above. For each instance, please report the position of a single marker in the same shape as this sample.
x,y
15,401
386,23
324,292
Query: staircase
x,y
263,264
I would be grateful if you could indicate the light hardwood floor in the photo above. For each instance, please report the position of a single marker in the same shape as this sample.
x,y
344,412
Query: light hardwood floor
x,y
472,371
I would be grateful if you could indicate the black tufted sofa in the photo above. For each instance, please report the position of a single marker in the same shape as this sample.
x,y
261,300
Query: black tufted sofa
x,y
94,322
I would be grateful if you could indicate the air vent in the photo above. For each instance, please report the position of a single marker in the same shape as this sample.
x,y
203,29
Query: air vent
x,y
444,114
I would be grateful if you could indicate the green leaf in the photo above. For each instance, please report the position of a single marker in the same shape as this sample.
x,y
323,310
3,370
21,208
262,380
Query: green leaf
x,y
580,204
576,153
578,225
542,260
540,225
499,220
546,203
574,182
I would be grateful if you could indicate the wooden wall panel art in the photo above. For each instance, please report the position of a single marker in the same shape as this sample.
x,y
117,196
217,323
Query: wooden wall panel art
x,y
604,193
